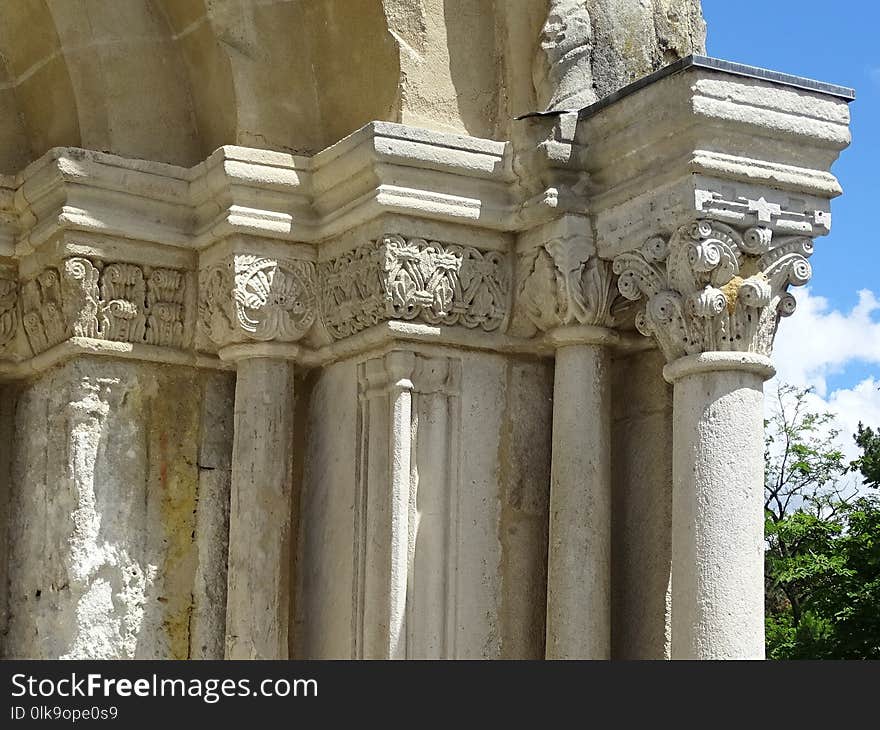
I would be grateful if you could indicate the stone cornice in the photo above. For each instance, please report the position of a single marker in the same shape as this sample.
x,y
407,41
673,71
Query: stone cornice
x,y
381,168
701,141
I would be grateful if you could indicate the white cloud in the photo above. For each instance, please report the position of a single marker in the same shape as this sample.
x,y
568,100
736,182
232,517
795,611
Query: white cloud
x,y
817,342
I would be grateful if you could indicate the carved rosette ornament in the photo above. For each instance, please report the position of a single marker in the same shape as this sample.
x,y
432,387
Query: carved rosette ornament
x,y
560,285
398,278
105,301
711,288
257,298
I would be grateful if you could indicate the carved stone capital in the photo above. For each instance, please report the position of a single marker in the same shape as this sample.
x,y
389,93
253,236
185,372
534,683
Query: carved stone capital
x,y
711,288
560,284
250,297
409,279
102,300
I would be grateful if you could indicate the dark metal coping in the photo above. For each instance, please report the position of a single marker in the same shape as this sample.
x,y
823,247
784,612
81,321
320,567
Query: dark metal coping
x,y
714,64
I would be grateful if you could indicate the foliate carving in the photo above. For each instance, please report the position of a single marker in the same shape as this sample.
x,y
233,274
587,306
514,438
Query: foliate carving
x,y
215,303
124,292
257,298
275,301
560,284
42,313
396,278
102,301
165,308
711,288
8,308
83,313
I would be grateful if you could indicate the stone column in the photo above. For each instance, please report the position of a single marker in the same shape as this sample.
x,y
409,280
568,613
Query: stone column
x,y
717,514
714,295
579,554
258,587
566,291
254,306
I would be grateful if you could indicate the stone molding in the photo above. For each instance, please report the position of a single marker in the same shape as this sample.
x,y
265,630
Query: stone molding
x,y
710,362
712,288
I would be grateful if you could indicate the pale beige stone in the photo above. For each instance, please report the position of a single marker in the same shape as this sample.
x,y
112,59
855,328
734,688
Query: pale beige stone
x,y
310,349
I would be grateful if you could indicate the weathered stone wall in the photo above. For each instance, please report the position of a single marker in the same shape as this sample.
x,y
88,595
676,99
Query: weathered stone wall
x,y
116,503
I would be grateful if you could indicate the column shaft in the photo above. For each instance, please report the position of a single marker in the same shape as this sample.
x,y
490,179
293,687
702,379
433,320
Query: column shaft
x,y
258,590
717,522
579,557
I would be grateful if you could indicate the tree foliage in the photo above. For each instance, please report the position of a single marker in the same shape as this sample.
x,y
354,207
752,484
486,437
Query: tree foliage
x,y
822,559
869,462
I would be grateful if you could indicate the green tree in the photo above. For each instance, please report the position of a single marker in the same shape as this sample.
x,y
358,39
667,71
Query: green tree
x,y
822,559
869,462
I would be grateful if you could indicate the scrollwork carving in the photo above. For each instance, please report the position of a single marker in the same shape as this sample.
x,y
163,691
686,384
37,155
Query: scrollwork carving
x,y
124,294
165,307
711,287
255,297
399,278
274,300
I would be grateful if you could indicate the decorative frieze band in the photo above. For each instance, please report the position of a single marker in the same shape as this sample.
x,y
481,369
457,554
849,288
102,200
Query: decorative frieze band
x,y
108,301
250,297
712,288
398,278
708,287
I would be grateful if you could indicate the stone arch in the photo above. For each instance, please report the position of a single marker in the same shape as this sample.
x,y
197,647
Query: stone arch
x,y
209,69
14,145
251,70
39,108
125,70
172,80
357,65
290,76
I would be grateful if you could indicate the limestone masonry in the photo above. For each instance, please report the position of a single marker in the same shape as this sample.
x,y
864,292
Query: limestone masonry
x,y
311,348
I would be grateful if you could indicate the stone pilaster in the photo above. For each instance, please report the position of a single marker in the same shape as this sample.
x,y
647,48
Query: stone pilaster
x,y
406,507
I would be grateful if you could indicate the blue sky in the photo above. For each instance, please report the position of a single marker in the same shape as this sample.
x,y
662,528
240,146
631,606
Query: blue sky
x,y
833,341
